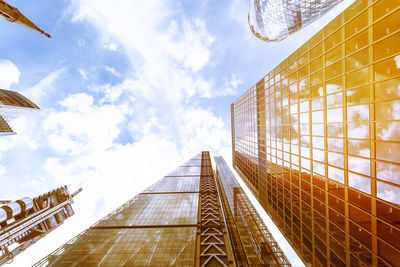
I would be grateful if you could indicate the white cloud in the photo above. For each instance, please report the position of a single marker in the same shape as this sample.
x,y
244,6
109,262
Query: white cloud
x,y
112,71
9,74
83,73
43,87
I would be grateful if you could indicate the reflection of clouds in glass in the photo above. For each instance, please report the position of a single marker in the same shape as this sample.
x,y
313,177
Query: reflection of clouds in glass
x,y
358,130
397,61
388,131
334,115
336,174
359,182
388,172
359,165
319,168
388,192
332,88
358,113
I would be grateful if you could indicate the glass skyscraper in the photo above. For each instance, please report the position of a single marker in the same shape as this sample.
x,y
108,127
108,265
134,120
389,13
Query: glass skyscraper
x,y
274,20
177,221
317,140
12,105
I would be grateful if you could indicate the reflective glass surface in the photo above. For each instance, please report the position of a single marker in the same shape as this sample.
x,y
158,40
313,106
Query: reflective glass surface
x,y
317,139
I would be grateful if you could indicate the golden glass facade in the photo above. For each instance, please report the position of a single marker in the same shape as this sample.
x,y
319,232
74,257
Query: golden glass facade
x,y
178,221
317,140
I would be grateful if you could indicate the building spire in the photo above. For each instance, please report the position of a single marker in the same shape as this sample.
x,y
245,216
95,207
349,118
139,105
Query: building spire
x,y
12,14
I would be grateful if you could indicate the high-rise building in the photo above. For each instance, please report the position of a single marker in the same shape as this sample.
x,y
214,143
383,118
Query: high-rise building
x,y
12,14
274,20
317,140
12,105
25,221
177,221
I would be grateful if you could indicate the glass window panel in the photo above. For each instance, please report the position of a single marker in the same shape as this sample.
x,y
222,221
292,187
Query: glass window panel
x,y
304,60
334,85
334,100
319,168
317,64
304,106
358,96
360,182
387,47
354,9
357,78
317,117
335,129
387,90
318,155
304,83
335,144
358,130
357,42
387,26
388,131
388,68
388,192
305,152
388,172
317,103
335,115
357,24
333,40
336,159
318,142
318,129
388,110
334,70
359,165
333,55
382,8
304,117
317,78
305,140
305,94
388,151
303,72
316,51
332,26
317,91
359,148
358,113
358,60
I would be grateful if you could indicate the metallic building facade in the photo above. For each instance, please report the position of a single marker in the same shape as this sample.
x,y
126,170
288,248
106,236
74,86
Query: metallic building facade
x,y
177,221
317,140
12,105
253,243
274,20
25,221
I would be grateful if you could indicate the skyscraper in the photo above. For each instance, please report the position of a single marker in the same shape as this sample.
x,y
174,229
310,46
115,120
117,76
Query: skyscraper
x,y
12,14
274,20
27,220
12,105
317,140
177,221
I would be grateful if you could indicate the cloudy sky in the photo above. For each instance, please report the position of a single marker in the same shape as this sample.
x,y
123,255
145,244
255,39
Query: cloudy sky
x,y
128,90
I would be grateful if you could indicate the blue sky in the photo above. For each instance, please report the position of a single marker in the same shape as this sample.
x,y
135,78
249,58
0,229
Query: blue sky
x,y
128,90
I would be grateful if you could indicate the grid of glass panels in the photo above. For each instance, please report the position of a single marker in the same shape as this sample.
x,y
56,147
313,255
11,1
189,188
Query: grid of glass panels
x,y
155,228
333,116
246,136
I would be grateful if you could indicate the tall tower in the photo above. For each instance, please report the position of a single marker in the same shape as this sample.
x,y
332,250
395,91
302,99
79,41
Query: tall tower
x,y
274,20
27,220
12,14
177,221
12,105
317,140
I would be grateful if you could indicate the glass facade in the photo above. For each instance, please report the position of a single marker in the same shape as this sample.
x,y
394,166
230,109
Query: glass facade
x,y
12,105
177,221
253,243
274,20
317,140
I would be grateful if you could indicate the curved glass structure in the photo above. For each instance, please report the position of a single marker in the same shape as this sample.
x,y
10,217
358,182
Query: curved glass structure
x,y
274,20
